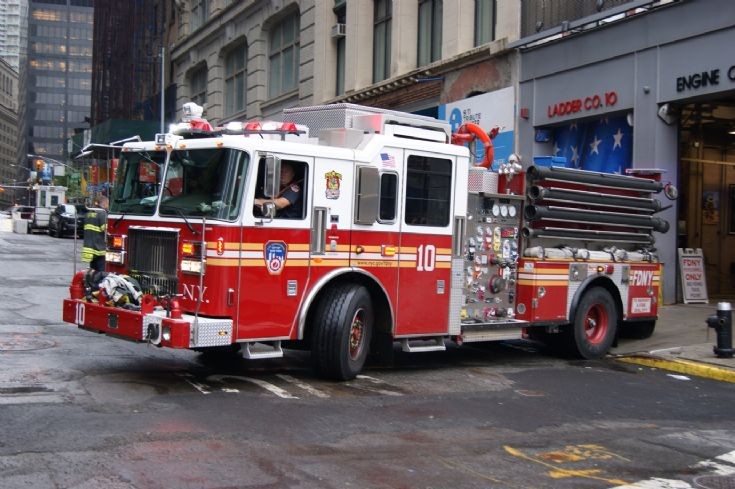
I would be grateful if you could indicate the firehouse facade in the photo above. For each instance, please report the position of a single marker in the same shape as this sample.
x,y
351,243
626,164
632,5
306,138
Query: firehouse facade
x,y
650,91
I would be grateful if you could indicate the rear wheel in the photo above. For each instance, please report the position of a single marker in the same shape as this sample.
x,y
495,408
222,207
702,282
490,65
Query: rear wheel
x,y
343,326
595,324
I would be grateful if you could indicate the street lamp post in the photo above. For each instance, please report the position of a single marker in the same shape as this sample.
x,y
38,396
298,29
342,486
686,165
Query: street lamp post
x,y
28,188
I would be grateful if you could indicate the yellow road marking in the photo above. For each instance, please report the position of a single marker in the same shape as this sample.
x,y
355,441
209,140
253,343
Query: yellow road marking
x,y
558,472
682,367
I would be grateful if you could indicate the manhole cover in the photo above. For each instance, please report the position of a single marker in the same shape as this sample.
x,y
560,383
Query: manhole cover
x,y
716,481
23,342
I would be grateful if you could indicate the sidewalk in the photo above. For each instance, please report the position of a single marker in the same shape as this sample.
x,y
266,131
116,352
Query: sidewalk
x,y
682,343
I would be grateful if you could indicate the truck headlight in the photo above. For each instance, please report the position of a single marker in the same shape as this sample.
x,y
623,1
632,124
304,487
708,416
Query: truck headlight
x,y
115,257
192,266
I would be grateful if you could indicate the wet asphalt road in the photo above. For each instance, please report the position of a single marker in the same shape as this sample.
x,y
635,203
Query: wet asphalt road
x,y
81,410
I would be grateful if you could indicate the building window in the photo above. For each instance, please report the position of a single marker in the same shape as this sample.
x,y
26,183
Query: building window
x,y
340,11
198,86
199,13
484,21
381,39
283,56
430,31
235,87
428,191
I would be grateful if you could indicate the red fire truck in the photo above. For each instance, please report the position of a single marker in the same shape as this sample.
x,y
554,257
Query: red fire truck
x,y
397,237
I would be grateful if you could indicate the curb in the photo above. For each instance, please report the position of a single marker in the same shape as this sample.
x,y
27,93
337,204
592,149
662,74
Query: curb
x,y
682,366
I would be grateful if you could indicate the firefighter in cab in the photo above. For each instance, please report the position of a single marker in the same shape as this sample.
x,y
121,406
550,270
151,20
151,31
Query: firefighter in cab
x,y
95,226
288,201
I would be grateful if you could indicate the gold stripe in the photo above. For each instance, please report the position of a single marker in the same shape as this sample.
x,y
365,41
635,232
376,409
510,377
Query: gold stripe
x,y
330,263
543,282
549,271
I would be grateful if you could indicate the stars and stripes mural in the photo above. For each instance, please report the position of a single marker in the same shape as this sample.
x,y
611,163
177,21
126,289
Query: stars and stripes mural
x,y
603,145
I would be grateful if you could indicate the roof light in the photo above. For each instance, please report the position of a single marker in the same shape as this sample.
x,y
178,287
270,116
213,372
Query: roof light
x,y
288,127
253,126
234,127
179,128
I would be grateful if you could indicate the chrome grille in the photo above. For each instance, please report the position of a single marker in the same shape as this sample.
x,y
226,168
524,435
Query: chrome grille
x,y
152,256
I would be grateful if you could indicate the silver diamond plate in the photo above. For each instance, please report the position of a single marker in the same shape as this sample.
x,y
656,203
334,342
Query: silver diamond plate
x,y
343,115
456,296
616,277
152,319
210,332
504,334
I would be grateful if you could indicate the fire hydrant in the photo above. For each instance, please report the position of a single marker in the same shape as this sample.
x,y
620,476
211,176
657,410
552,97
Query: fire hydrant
x,y
722,323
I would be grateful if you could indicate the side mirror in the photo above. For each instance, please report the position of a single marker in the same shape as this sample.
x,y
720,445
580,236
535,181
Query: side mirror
x,y
272,176
269,210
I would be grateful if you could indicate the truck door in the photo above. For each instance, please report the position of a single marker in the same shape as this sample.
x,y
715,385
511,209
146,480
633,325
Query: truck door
x,y
376,231
425,244
275,254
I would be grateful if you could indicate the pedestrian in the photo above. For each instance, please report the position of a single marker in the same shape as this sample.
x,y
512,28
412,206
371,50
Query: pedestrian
x,y
95,240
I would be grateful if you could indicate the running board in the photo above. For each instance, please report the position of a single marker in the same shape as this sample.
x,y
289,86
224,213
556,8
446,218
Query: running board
x,y
431,344
275,351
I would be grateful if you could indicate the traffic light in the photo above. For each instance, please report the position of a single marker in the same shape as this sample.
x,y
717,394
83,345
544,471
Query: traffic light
x,y
39,165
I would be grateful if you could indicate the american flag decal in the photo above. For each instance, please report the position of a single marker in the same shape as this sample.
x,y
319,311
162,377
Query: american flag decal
x,y
387,160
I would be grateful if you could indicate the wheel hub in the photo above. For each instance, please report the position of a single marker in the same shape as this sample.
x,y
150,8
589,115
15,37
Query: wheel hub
x,y
596,323
357,333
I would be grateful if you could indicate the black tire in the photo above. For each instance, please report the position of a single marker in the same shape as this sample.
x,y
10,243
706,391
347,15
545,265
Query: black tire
x,y
50,230
342,330
638,330
592,333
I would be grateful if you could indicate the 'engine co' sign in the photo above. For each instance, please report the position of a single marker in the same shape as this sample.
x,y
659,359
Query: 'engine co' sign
x,y
586,104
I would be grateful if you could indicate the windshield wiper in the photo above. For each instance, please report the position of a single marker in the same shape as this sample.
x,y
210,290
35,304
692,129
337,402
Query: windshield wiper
x,y
180,213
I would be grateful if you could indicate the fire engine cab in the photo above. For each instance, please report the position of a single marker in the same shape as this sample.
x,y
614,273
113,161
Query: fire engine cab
x,y
382,231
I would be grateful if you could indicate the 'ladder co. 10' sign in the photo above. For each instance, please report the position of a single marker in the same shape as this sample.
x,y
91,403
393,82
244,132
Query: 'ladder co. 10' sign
x,y
693,282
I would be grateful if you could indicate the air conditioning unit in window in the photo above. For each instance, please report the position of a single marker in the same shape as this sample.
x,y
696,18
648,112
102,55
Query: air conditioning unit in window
x,y
339,30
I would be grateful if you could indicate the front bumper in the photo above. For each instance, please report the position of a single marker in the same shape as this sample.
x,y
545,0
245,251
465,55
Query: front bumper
x,y
155,328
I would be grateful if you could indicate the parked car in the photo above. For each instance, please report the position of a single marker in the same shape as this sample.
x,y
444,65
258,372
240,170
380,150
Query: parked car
x,y
66,219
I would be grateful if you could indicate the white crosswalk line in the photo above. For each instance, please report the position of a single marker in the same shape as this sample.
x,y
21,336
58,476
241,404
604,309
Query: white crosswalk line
x,y
717,468
6,400
371,379
373,389
308,388
274,389
203,388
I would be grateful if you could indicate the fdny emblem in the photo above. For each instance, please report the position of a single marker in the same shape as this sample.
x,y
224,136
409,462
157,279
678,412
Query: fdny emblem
x,y
275,256
333,181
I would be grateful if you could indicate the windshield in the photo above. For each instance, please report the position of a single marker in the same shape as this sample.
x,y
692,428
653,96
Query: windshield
x,y
137,183
204,182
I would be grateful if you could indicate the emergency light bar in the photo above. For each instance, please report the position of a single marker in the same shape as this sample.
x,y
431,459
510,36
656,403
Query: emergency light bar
x,y
267,127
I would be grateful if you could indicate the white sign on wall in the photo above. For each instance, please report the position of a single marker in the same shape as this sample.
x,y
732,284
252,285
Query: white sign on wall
x,y
487,110
691,270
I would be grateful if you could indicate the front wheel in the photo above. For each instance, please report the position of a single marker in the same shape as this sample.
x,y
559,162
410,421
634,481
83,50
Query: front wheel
x,y
343,326
595,324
